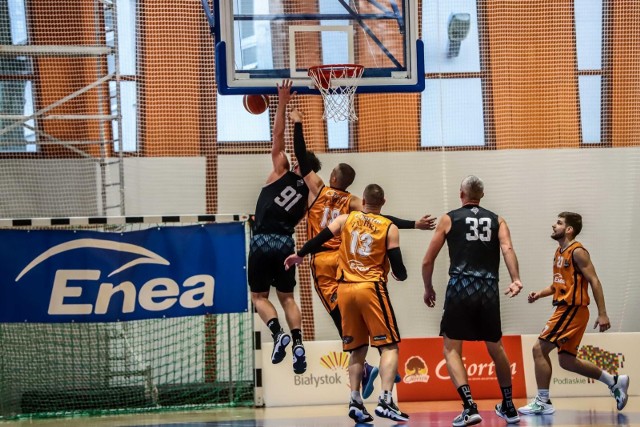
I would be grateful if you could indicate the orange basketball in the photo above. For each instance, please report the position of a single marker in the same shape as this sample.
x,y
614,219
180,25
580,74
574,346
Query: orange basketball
x,y
255,104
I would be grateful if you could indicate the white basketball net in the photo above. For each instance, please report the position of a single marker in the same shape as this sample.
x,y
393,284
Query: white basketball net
x,y
337,85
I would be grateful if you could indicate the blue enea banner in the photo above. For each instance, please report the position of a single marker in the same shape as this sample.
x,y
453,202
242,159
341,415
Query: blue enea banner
x,y
53,276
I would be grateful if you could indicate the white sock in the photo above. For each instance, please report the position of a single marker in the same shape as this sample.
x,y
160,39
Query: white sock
x,y
387,396
543,394
356,397
607,378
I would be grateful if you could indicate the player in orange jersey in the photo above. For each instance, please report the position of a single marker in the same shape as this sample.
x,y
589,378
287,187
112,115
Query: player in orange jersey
x,y
325,204
370,244
572,272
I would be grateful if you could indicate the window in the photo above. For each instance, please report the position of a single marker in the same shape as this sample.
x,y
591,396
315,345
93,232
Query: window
x,y
453,93
588,21
126,20
16,88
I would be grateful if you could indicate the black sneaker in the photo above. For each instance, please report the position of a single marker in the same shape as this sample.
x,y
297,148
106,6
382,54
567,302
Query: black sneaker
x,y
280,343
358,413
468,417
299,359
390,410
509,413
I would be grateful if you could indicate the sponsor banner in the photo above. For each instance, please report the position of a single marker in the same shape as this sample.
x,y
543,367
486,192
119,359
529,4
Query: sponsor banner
x,y
326,381
616,353
425,375
51,276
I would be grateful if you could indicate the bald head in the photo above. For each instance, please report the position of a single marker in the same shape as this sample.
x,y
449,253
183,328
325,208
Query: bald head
x,y
472,188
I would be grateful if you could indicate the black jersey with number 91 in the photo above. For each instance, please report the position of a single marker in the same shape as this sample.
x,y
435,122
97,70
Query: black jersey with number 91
x,y
474,247
281,205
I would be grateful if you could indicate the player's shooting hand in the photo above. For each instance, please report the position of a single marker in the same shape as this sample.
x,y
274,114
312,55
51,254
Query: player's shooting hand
x,y
514,289
533,297
430,297
296,115
291,261
427,222
284,91
603,321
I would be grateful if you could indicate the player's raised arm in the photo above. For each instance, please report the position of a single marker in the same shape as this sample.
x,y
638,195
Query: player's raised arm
x,y
427,222
278,157
312,179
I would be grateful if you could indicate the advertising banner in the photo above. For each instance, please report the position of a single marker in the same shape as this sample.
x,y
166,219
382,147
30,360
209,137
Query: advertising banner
x,y
51,276
326,381
616,353
425,376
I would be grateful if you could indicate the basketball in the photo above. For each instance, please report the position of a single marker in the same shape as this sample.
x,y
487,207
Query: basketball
x,y
255,104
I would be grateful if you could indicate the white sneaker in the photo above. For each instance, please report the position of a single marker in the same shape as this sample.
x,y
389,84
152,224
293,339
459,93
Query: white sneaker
x,y
619,390
537,407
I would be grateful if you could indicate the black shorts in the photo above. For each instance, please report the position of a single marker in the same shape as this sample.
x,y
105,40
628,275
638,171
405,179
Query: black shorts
x,y
267,253
472,310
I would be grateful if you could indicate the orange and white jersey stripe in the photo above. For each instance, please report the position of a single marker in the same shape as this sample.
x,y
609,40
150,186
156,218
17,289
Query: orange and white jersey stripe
x,y
329,204
363,253
570,286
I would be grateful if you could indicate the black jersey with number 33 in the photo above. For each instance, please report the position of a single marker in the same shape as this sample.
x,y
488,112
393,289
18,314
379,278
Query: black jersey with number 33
x,y
281,205
474,247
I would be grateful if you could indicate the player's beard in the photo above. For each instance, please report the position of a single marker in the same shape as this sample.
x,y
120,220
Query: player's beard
x,y
557,236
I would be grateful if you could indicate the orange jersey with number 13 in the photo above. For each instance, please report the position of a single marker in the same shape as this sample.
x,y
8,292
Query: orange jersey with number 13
x,y
329,204
363,253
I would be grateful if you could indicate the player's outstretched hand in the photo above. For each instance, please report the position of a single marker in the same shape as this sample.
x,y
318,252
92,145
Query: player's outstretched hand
x,y
296,116
513,289
533,297
603,321
284,91
430,297
291,261
427,222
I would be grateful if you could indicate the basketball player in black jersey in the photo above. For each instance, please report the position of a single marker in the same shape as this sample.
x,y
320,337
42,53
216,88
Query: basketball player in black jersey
x,y
281,205
475,237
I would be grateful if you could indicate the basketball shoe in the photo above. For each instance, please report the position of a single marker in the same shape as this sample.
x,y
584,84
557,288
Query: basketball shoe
x,y
509,414
537,407
619,390
369,374
390,411
468,417
299,359
280,343
358,413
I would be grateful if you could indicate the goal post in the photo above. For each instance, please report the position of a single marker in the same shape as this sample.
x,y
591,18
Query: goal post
x,y
124,314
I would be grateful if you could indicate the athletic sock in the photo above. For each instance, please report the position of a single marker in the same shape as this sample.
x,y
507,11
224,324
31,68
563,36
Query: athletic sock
x,y
274,326
356,397
465,394
296,334
543,395
507,396
607,378
387,396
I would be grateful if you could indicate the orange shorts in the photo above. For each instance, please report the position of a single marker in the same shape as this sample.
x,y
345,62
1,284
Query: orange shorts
x,y
367,315
324,266
566,327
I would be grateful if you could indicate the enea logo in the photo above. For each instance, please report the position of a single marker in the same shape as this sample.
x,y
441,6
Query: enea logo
x,y
157,294
416,370
602,358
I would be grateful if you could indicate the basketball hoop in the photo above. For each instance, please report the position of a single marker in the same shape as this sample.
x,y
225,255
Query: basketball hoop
x,y
337,84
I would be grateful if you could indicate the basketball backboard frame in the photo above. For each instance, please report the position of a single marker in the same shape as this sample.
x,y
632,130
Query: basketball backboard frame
x,y
403,77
